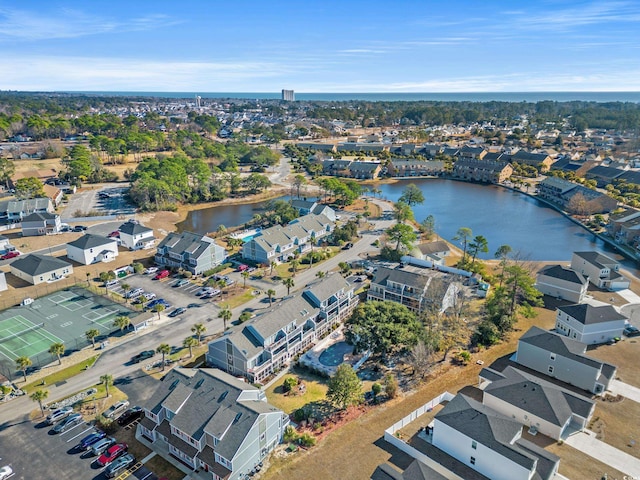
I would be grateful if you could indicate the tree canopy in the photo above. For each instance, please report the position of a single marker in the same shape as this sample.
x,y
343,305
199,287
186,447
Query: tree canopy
x,y
345,388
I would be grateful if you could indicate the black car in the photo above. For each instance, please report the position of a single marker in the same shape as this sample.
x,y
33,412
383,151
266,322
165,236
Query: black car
x,y
347,246
142,356
130,415
178,311
631,331
79,228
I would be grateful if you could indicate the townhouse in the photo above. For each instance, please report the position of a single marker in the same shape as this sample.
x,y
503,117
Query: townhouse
x,y
214,423
189,251
16,210
482,170
561,282
601,270
561,192
268,342
41,223
590,324
414,168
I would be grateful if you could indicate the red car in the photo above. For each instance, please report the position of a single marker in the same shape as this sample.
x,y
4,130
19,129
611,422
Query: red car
x,y
111,454
161,274
243,267
9,255
115,234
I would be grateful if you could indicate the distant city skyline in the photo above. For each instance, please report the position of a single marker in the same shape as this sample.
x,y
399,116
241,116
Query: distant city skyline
x,y
320,46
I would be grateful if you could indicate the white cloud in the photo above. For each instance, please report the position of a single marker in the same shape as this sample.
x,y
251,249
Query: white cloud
x,y
67,23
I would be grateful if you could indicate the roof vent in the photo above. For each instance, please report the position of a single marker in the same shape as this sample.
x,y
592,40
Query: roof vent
x,y
199,383
238,415
223,396
174,384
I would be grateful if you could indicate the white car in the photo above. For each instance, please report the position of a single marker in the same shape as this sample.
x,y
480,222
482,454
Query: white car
x,y
149,295
151,270
116,409
58,415
6,472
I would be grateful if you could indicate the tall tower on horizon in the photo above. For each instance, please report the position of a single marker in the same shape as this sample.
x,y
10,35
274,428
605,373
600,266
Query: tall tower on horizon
x,y
288,95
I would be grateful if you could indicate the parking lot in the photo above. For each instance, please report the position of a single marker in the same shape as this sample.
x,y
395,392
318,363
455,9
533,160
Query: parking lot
x,y
110,200
34,451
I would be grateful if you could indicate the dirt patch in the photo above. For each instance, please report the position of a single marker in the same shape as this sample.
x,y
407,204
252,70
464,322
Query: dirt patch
x,y
164,469
616,423
624,355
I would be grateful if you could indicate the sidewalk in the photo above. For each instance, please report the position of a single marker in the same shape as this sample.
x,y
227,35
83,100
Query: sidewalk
x,y
586,442
629,296
628,391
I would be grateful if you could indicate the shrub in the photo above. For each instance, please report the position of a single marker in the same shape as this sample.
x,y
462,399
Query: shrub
x,y
244,316
217,269
290,434
289,383
187,274
307,440
390,385
137,267
107,425
300,415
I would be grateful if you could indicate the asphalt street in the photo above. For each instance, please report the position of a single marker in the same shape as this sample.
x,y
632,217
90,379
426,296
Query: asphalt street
x,y
114,360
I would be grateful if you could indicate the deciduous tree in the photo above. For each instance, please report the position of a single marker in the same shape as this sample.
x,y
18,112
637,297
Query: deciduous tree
x,y
345,388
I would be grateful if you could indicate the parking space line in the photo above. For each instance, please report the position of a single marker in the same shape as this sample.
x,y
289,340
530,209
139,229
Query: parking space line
x,y
72,438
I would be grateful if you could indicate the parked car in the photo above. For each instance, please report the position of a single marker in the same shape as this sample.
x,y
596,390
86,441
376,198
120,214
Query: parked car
x,y
347,246
151,270
161,274
142,356
113,452
8,255
177,311
133,293
101,446
242,267
69,422
203,291
59,414
6,472
182,283
79,228
631,331
130,415
87,442
149,295
115,409
119,466
114,234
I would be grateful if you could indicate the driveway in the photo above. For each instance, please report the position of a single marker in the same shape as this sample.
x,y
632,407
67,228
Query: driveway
x,y
588,443
628,391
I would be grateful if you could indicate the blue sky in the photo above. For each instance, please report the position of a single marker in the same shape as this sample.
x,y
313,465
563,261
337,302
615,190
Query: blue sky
x,y
320,46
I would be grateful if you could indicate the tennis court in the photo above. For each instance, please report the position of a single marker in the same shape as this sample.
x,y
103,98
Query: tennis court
x,y
62,317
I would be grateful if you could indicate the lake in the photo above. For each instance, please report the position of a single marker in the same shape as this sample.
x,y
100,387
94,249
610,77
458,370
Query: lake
x,y
500,215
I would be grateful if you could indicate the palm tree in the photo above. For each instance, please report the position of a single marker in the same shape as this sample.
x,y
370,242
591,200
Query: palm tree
x,y
245,275
295,263
122,322
159,308
40,396
165,350
23,363
190,342
270,293
91,335
225,314
321,274
125,288
106,380
57,349
198,329
288,282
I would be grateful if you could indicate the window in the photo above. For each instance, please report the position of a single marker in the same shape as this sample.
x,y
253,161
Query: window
x,y
550,368
474,445
552,356
473,460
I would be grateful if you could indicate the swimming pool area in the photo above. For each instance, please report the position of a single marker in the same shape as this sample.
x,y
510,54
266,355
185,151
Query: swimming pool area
x,y
334,354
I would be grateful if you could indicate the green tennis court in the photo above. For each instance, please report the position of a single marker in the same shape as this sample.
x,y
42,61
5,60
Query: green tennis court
x,y
62,317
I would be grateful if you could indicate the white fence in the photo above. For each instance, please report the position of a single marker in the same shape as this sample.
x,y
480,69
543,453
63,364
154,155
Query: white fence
x,y
389,436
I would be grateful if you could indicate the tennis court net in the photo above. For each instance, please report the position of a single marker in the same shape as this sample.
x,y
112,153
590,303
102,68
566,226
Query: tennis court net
x,y
17,334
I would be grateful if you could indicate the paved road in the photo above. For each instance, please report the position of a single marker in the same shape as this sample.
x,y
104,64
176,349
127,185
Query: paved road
x,y
114,360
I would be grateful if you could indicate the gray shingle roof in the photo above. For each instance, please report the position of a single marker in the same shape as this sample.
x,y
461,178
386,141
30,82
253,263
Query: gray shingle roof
x,y
302,227
92,241
433,247
35,264
328,286
192,243
537,397
559,344
133,228
17,206
589,314
295,309
486,426
39,217
597,259
563,273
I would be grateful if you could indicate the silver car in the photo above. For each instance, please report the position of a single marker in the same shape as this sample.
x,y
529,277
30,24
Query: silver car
x,y
115,409
102,445
71,421
59,414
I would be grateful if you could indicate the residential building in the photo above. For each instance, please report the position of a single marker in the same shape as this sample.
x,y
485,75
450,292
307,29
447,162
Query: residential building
x,y
415,471
372,148
603,175
262,346
16,210
624,227
365,170
336,168
482,170
560,357
5,245
190,251
536,403
562,282
488,443
414,168
37,269
305,207
600,270
590,324
279,243
288,95
414,287
40,223
561,192
135,236
435,252
212,422
539,160
322,147
89,249
474,153
53,193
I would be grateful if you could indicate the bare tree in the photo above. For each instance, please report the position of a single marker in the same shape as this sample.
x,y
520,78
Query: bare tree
x,y
421,358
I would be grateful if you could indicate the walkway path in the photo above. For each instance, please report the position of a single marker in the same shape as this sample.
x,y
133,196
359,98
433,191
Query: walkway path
x,y
588,443
628,391
629,296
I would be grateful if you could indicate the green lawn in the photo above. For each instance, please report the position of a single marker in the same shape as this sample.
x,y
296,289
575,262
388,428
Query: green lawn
x,y
239,299
316,391
61,375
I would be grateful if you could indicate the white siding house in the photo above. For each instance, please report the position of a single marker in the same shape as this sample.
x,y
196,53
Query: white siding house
x,y
90,249
37,269
135,236
602,271
561,282
590,324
